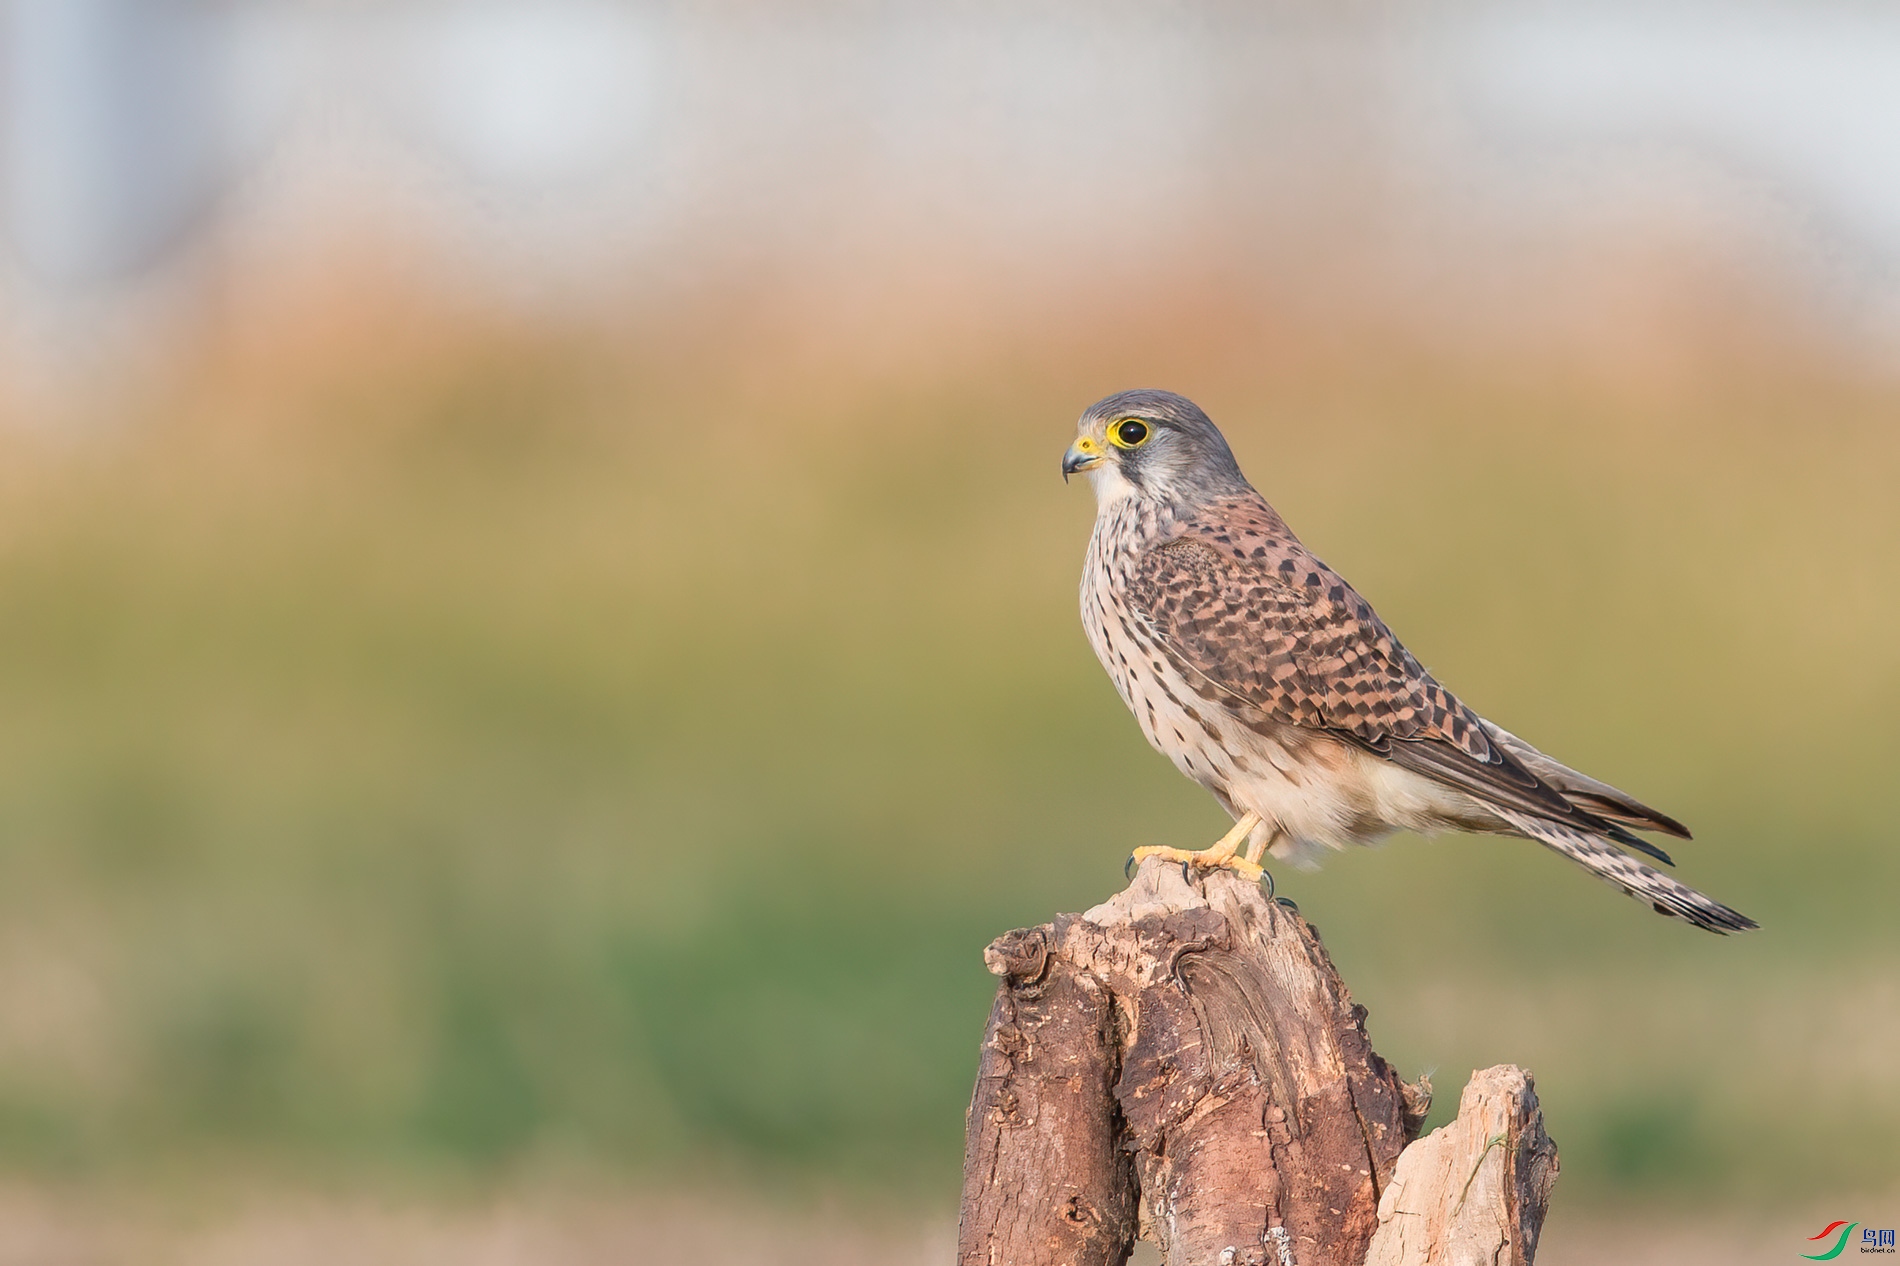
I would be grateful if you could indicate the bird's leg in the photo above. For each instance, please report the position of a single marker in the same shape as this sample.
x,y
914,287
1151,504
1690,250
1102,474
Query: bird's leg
x,y
1224,855
1257,851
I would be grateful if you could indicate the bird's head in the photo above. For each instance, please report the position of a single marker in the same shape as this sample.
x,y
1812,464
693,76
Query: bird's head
x,y
1152,444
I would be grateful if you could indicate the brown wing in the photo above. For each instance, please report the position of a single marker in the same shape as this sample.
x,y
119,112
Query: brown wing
x,y
1256,621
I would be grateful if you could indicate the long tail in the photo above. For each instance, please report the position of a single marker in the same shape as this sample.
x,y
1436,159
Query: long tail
x,y
1618,869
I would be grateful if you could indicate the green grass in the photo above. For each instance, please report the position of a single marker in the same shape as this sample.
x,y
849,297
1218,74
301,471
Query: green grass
x,y
527,761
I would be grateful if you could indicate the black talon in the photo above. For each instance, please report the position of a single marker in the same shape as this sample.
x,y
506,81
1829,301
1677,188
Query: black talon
x,y
1128,867
1266,877
1288,903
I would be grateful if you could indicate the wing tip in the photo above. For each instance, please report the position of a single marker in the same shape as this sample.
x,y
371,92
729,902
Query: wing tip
x,y
1629,840
1666,824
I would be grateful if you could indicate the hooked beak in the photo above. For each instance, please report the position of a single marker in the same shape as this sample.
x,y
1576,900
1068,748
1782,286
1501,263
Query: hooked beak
x,y
1084,454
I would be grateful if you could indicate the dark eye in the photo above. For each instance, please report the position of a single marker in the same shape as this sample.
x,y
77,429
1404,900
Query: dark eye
x,y
1130,433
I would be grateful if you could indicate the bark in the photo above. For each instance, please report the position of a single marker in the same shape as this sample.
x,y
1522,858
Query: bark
x,y
1044,1180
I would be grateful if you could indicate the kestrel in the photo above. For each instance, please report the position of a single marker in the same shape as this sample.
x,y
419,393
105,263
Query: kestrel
x,y
1266,679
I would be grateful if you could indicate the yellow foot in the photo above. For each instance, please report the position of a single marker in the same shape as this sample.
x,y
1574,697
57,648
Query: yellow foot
x,y
1224,855
1204,859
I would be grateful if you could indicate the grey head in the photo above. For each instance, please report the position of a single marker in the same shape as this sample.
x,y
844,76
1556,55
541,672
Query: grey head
x,y
1154,445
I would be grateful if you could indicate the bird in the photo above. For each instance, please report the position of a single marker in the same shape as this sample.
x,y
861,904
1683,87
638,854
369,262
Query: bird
x,y
1269,681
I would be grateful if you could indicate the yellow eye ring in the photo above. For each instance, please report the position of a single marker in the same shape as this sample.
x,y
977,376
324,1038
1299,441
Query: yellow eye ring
x,y
1130,433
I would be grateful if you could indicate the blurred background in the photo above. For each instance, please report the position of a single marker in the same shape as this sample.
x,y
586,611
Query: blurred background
x,y
537,614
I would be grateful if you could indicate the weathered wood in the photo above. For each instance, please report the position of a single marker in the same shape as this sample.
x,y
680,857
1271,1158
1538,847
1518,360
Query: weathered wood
x,y
1044,1177
1189,1040
1262,1123
1472,1193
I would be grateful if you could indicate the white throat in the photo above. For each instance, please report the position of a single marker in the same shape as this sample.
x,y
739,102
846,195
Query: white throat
x,y
1111,486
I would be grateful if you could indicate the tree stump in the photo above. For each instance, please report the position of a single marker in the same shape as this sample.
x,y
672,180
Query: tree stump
x,y
1182,1063
1472,1193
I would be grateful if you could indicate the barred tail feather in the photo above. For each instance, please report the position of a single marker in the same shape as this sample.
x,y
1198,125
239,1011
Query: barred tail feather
x,y
1618,869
